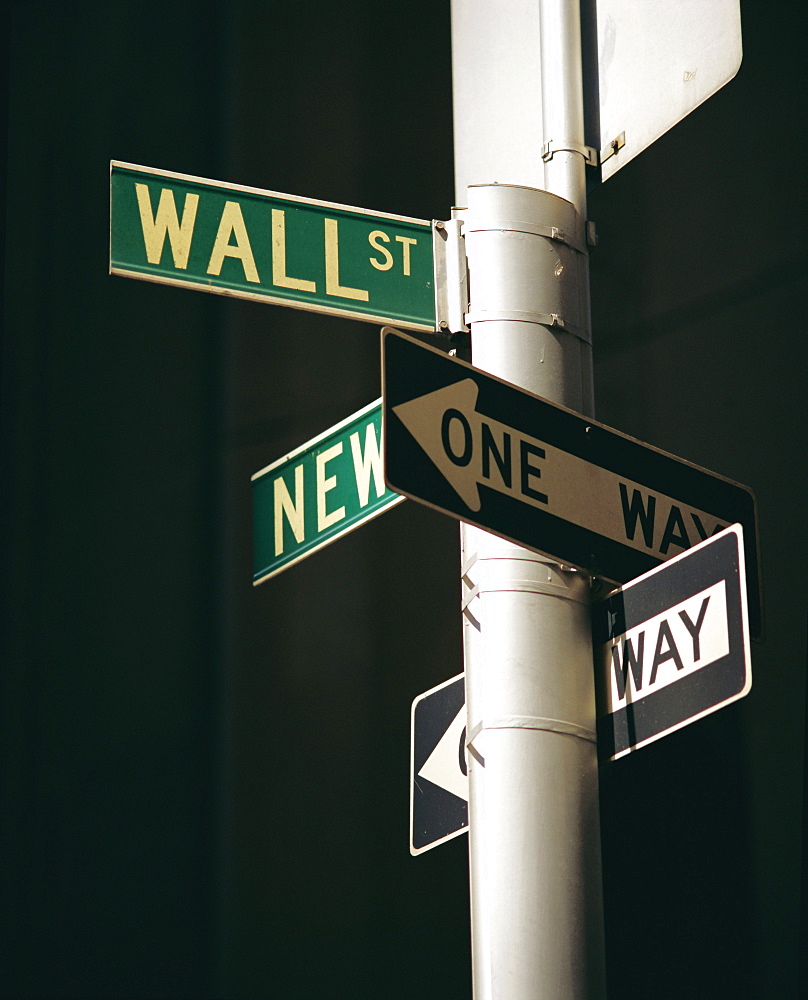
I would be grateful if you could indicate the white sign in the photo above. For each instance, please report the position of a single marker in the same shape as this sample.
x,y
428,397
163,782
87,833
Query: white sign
x,y
658,60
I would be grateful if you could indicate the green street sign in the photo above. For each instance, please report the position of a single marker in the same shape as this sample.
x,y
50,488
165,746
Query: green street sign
x,y
242,241
319,492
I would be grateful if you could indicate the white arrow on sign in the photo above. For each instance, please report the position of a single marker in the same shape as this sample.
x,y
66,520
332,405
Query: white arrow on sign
x,y
447,765
438,766
471,450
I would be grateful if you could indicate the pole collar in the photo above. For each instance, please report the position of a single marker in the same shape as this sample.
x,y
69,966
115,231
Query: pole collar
x,y
526,722
568,146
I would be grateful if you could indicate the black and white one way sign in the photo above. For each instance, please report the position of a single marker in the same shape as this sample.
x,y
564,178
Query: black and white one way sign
x,y
672,646
438,769
487,452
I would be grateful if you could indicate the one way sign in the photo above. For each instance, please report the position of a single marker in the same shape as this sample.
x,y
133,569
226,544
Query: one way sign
x,y
487,452
672,646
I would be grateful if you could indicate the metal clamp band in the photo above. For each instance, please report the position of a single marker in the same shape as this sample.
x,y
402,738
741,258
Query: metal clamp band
x,y
531,228
516,577
568,146
494,315
468,565
473,590
532,722
538,318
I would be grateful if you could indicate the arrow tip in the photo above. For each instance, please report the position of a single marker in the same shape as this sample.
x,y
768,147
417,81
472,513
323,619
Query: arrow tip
x,y
443,423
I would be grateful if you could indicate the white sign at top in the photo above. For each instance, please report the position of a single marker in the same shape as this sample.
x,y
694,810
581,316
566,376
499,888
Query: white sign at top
x,y
657,61
648,64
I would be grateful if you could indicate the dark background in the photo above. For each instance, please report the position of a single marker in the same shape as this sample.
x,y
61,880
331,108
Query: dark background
x,y
204,786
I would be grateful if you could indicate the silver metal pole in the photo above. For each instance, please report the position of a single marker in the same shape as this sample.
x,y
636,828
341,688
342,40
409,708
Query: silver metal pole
x,y
534,837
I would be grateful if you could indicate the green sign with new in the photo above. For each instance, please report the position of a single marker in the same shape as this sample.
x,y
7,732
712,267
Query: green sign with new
x,y
277,248
319,492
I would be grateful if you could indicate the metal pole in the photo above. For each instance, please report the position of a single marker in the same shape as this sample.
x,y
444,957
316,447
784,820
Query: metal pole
x,y
534,837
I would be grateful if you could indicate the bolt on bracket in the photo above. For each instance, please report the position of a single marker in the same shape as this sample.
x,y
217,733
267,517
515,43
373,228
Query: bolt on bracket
x,y
611,148
451,276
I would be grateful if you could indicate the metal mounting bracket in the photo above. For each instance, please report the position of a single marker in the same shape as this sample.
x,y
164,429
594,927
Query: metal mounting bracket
x,y
451,276
609,150
549,149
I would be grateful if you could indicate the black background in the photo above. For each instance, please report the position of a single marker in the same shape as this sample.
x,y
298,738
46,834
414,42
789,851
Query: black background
x,y
204,785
